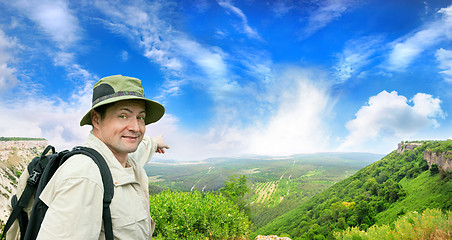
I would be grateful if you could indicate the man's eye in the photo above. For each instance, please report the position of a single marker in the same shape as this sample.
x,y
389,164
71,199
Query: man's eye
x,y
123,116
140,118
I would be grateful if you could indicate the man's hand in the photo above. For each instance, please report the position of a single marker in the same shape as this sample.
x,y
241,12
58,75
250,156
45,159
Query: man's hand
x,y
161,145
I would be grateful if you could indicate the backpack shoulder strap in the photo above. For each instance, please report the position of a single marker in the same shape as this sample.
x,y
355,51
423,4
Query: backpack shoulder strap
x,y
35,169
107,180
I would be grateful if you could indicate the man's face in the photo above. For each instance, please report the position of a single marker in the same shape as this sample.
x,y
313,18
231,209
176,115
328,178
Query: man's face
x,y
123,127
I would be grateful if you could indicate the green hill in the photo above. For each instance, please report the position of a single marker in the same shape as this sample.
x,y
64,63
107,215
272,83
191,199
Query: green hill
x,y
377,194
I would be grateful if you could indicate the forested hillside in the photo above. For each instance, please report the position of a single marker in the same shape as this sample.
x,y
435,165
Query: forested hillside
x,y
377,194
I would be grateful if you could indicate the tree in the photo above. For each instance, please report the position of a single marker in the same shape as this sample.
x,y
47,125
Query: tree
x,y
434,169
235,187
364,213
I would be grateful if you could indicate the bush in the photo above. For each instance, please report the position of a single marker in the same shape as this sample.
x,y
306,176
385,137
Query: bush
x,y
431,224
194,215
434,169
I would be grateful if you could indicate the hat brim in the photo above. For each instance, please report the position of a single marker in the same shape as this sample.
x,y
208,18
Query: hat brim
x,y
154,110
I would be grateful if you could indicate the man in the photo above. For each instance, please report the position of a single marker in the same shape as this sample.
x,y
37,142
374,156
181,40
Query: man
x,y
74,195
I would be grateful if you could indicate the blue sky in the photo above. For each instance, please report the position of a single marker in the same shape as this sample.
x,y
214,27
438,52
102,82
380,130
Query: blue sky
x,y
236,77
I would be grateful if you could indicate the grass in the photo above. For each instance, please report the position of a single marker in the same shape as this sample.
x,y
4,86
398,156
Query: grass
x,y
422,193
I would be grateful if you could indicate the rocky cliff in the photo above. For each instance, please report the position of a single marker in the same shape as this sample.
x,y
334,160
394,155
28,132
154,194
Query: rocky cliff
x,y
442,159
407,146
14,157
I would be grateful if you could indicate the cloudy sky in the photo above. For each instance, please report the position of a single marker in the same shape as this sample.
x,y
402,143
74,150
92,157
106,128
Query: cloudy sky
x,y
236,77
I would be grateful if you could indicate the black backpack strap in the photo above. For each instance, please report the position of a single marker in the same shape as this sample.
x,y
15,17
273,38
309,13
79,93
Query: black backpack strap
x,y
107,180
23,217
35,169
14,215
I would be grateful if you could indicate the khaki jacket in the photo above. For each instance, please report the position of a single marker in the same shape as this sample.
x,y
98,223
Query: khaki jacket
x,y
74,196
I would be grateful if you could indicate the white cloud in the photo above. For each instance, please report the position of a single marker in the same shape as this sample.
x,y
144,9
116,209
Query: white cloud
x,y
40,116
8,77
124,56
59,23
249,31
426,105
281,8
147,28
302,104
408,48
327,12
211,62
299,124
54,17
188,145
34,114
183,60
403,53
63,58
356,55
444,57
389,117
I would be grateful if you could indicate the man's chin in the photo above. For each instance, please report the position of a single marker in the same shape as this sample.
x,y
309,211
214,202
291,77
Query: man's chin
x,y
131,149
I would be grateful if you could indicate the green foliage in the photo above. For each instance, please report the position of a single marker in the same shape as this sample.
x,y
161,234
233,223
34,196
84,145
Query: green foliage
x,y
431,224
440,146
379,193
297,178
422,192
434,169
235,187
194,215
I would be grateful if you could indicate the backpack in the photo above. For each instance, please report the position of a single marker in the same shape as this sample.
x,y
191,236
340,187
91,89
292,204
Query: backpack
x,y
41,170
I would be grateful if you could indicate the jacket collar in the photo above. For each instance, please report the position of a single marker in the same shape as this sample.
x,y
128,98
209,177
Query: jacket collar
x,y
120,174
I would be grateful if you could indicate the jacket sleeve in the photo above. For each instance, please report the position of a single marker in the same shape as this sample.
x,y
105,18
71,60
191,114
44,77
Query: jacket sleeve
x,y
74,196
145,151
75,212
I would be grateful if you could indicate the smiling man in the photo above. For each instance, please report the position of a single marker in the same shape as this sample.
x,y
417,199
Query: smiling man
x,y
74,195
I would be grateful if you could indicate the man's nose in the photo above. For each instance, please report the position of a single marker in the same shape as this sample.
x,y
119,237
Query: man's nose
x,y
134,125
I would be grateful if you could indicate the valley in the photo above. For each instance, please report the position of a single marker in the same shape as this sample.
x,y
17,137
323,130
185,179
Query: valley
x,y
276,184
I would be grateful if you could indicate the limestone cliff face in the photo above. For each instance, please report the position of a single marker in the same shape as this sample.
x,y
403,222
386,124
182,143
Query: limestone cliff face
x,y
442,159
407,146
14,157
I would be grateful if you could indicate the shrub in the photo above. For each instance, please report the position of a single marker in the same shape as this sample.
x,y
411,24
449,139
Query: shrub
x,y
431,224
194,215
434,169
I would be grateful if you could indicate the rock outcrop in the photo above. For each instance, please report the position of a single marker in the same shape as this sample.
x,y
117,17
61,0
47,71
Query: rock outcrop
x,y
14,157
407,146
442,159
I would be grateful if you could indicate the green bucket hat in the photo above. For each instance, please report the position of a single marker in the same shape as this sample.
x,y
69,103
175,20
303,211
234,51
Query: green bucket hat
x,y
117,88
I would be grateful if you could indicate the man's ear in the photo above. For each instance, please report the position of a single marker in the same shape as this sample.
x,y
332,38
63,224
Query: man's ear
x,y
95,118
